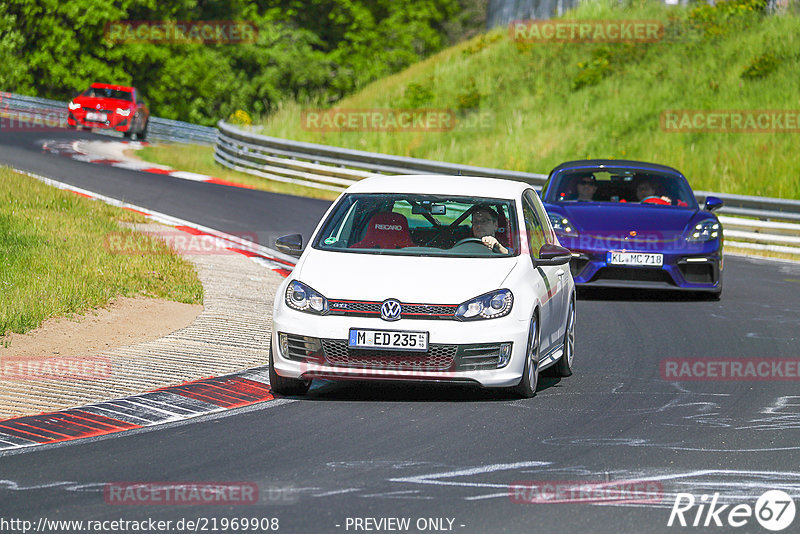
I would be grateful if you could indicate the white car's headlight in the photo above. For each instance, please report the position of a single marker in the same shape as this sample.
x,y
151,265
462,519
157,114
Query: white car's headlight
x,y
123,112
302,298
487,306
73,106
704,231
562,225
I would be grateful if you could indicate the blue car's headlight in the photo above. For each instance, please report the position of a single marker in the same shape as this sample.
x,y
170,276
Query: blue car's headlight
x,y
562,225
300,297
704,231
487,306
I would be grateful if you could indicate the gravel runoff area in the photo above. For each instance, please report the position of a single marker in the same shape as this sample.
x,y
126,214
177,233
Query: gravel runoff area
x,y
230,334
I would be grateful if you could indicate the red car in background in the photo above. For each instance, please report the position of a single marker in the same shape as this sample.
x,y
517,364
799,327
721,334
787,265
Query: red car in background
x,y
116,107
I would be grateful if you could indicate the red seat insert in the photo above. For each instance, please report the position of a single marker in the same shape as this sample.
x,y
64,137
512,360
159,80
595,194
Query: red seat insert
x,y
386,230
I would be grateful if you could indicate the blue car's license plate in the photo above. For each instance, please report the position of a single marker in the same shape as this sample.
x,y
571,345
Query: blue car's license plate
x,y
635,258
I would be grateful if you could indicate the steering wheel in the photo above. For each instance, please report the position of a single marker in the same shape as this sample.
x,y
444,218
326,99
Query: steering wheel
x,y
469,240
655,200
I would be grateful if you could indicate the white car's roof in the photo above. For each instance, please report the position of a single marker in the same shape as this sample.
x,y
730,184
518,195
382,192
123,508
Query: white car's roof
x,y
469,186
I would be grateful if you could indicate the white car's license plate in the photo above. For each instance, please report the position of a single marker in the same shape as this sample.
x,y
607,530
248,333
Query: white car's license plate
x,y
388,340
635,258
92,116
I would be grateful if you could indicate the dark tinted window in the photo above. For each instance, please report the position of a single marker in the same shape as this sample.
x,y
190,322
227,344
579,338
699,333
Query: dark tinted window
x,y
98,92
623,186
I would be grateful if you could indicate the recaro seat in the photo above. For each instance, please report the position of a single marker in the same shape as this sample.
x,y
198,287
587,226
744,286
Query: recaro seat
x,y
386,230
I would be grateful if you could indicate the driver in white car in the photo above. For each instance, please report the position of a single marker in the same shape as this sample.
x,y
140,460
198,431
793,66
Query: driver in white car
x,y
484,227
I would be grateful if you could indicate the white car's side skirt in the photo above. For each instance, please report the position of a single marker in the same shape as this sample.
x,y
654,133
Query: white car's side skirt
x,y
551,358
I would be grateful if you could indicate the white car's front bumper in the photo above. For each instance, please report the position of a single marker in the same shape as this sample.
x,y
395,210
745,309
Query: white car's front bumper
x,y
332,359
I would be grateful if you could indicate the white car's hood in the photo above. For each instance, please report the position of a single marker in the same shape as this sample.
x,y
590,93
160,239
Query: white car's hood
x,y
413,279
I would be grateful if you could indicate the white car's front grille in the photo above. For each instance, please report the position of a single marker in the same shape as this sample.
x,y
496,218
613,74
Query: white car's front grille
x,y
359,308
439,357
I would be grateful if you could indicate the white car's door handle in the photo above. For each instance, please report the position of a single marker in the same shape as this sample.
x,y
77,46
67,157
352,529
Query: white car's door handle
x,y
561,272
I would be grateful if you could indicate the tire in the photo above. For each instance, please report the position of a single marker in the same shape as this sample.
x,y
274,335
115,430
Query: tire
x,y
530,376
143,133
285,386
127,135
563,366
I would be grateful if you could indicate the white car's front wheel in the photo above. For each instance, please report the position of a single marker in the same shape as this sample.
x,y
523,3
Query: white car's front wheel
x,y
283,385
530,376
563,366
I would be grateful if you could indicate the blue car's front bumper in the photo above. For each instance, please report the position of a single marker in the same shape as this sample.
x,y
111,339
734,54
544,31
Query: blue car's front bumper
x,y
689,266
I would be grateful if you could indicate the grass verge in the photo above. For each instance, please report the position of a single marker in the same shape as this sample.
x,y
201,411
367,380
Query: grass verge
x,y
200,159
530,106
754,253
54,263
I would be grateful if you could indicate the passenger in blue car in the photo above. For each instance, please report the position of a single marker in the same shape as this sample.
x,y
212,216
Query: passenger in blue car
x,y
581,189
586,187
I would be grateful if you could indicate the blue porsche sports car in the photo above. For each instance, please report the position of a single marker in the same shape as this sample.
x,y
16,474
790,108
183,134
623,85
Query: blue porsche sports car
x,y
635,224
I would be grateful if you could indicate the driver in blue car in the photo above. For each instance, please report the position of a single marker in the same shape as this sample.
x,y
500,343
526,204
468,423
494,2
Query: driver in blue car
x,y
484,227
646,192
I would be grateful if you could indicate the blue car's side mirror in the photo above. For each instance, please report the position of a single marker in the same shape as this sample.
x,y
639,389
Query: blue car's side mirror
x,y
713,203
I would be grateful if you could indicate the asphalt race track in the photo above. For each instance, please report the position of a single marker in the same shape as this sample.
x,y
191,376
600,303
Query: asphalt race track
x,y
228,209
446,457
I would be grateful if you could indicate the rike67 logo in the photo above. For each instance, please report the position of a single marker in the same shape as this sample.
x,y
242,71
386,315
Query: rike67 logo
x,y
774,510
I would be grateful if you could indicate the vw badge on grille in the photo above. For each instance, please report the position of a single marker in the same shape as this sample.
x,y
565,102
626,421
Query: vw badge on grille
x,y
390,310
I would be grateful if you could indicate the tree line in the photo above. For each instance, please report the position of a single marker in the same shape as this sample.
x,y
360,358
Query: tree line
x,y
303,50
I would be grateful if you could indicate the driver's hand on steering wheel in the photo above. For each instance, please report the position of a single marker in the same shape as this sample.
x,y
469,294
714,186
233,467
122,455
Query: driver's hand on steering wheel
x,y
491,242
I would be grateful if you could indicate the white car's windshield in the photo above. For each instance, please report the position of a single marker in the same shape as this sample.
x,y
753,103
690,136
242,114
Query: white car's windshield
x,y
422,225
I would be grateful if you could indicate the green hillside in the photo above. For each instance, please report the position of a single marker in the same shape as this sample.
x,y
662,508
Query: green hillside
x,y
530,106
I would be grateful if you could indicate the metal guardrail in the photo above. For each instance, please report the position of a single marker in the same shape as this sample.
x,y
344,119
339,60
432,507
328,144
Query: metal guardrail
x,y
242,148
33,110
251,151
333,168
759,207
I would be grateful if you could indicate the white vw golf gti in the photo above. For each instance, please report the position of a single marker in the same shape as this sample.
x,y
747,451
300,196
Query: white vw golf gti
x,y
426,278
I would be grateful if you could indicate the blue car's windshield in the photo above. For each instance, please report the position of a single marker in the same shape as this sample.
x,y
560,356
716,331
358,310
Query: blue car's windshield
x,y
621,186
